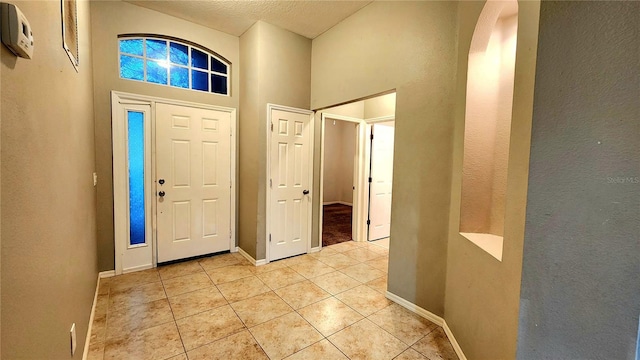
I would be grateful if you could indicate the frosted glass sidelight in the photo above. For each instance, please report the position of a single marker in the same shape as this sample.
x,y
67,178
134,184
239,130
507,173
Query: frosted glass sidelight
x,y
135,156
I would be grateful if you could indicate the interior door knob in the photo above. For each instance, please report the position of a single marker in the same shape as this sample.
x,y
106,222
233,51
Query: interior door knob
x,y
161,193
305,192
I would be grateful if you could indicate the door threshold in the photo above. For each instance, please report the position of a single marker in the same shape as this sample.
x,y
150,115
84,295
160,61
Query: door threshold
x,y
177,261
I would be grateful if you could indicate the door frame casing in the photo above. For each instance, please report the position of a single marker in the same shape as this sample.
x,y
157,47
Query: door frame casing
x,y
311,114
120,187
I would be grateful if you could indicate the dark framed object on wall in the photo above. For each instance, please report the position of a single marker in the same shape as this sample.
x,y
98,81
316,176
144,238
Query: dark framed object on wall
x,y
69,12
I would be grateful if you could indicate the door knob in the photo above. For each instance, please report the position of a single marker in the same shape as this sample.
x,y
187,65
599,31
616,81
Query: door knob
x,y
161,193
305,192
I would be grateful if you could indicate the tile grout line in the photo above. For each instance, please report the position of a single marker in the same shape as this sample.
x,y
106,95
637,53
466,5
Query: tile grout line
x,y
297,311
175,322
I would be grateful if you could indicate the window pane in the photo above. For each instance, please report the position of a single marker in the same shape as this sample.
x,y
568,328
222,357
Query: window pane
x,y
199,80
156,49
199,59
218,66
131,46
180,77
219,84
179,54
156,72
136,177
131,68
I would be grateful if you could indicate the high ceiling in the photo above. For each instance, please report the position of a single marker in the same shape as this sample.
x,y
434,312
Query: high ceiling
x,y
307,18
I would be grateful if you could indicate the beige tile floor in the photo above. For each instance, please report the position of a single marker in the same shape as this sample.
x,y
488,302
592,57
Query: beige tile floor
x,y
326,305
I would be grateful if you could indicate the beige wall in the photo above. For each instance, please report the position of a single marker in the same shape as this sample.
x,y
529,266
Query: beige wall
x,y
49,264
109,19
487,127
482,293
410,47
281,65
249,131
339,157
379,106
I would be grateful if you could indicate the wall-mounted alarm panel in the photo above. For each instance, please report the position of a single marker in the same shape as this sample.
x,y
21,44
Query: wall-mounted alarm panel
x,y
16,31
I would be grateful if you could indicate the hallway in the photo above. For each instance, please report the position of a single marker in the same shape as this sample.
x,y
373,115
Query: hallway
x,y
325,305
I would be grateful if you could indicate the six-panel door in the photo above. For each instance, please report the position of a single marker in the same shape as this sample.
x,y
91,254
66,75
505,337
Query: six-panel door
x,y
193,181
290,203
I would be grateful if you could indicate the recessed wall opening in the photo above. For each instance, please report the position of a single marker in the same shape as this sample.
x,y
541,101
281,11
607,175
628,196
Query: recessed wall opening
x,y
490,82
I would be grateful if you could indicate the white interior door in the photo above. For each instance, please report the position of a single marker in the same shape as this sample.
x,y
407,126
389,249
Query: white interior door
x,y
193,181
381,182
290,184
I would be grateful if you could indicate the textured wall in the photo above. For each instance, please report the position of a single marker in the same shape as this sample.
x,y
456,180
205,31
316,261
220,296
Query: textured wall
x,y
49,264
487,130
410,47
379,106
249,150
339,153
108,20
581,271
482,293
280,75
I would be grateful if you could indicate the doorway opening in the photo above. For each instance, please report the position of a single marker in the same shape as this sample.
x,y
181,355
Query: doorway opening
x,y
340,138
356,171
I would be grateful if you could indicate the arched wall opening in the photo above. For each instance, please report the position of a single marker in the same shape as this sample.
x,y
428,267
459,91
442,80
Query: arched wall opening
x,y
490,82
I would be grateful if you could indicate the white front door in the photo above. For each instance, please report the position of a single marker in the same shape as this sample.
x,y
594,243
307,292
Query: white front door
x,y
290,183
193,181
381,182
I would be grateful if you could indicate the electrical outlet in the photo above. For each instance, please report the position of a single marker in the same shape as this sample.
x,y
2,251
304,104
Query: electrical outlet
x,y
95,179
73,339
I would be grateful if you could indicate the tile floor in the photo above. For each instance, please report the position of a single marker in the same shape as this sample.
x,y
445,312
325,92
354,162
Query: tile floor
x,y
326,305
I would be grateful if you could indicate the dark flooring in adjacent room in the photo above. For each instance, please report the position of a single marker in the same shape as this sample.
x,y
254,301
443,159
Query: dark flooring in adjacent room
x,y
336,224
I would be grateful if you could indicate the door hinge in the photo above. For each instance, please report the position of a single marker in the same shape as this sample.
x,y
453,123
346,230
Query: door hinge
x,y
269,237
371,136
370,179
368,222
271,127
271,183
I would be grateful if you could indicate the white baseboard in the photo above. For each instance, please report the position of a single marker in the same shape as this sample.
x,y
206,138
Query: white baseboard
x,y
106,274
431,317
337,202
235,250
315,249
251,259
454,342
87,340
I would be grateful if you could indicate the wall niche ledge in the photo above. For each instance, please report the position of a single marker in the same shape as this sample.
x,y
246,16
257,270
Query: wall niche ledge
x,y
490,243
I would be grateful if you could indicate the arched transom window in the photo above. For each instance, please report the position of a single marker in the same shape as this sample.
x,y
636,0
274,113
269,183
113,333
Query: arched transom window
x,y
173,63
